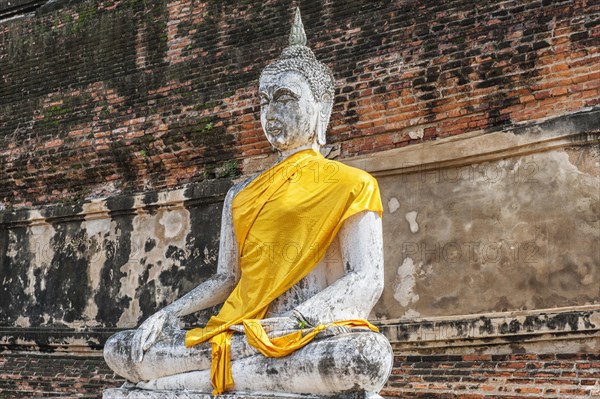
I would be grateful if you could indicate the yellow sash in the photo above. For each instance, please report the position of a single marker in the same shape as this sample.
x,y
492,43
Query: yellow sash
x,y
284,222
284,345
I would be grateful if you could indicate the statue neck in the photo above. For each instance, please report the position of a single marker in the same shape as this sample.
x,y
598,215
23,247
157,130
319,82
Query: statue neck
x,y
291,151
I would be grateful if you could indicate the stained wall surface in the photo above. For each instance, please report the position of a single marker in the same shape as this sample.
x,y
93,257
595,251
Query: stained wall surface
x,y
108,263
514,230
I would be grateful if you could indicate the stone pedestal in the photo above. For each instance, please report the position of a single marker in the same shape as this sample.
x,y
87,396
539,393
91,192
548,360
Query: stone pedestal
x,y
132,393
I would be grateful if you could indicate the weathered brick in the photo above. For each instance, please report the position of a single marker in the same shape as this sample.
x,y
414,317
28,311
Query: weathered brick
x,y
168,81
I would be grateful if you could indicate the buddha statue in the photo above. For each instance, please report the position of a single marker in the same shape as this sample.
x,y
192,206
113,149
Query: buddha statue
x,y
300,267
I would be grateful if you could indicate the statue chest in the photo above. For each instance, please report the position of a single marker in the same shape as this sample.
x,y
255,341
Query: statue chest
x,y
327,271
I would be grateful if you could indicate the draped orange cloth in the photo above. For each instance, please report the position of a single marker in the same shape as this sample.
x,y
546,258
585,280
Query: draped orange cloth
x,y
286,344
284,222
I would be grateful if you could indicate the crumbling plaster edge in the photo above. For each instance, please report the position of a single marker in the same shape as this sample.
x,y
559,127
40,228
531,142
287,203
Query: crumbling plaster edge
x,y
192,194
500,327
423,333
576,129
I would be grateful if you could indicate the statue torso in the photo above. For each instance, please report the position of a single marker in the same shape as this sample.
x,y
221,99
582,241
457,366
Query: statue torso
x,y
325,273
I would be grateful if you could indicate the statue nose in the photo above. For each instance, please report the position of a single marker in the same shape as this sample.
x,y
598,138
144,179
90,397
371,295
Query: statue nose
x,y
270,113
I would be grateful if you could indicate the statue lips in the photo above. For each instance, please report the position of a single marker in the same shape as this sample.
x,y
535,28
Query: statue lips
x,y
274,130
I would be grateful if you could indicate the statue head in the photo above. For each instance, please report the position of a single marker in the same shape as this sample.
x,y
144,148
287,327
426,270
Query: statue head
x,y
296,93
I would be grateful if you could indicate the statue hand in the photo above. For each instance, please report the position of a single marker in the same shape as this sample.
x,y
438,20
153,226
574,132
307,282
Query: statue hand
x,y
304,321
311,322
150,331
331,331
278,326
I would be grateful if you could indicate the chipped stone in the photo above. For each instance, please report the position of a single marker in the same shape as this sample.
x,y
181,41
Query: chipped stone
x,y
405,283
417,133
393,204
411,218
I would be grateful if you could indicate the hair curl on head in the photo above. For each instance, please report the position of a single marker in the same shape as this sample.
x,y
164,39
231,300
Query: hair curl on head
x,y
299,58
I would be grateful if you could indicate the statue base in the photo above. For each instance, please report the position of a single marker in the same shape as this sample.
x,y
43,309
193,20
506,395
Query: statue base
x,y
134,393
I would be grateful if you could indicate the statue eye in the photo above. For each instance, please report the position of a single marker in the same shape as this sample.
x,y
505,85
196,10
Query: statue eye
x,y
264,100
285,98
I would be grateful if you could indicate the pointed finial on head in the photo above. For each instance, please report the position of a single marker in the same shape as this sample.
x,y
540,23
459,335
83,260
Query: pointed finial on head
x,y
297,35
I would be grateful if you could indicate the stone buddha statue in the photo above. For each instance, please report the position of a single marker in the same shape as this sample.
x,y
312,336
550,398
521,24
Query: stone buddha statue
x,y
300,267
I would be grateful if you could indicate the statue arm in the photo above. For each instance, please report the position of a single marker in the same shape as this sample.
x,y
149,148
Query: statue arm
x,y
353,295
209,293
217,288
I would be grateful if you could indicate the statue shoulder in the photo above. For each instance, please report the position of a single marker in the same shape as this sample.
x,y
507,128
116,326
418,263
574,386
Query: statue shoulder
x,y
350,173
237,187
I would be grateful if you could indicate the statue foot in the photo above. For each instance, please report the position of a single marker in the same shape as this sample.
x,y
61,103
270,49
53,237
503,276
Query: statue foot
x,y
169,356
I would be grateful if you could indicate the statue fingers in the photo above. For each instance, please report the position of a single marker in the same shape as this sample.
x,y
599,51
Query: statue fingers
x,y
150,338
141,342
148,332
302,321
137,353
333,330
279,324
344,330
151,328
290,324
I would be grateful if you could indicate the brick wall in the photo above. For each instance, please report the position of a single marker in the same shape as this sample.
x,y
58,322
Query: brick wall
x,y
25,375
551,376
100,97
559,376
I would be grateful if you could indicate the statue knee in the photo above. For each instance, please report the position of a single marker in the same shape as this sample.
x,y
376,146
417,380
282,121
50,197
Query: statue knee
x,y
365,360
354,362
118,355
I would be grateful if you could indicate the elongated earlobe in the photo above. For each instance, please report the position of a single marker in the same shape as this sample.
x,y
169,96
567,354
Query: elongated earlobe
x,y
323,120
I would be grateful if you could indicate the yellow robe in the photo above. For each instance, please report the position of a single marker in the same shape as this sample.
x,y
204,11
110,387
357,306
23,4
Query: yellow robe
x,y
284,222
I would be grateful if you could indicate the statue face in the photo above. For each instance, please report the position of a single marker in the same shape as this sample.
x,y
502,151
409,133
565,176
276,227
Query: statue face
x,y
289,113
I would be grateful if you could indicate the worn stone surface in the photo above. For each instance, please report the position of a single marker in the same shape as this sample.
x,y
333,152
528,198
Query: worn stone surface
x,y
100,98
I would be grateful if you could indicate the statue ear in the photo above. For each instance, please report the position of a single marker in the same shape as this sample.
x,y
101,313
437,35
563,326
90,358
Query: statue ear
x,y
323,120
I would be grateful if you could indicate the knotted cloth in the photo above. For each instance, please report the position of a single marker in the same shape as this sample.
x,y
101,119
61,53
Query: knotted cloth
x,y
284,222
